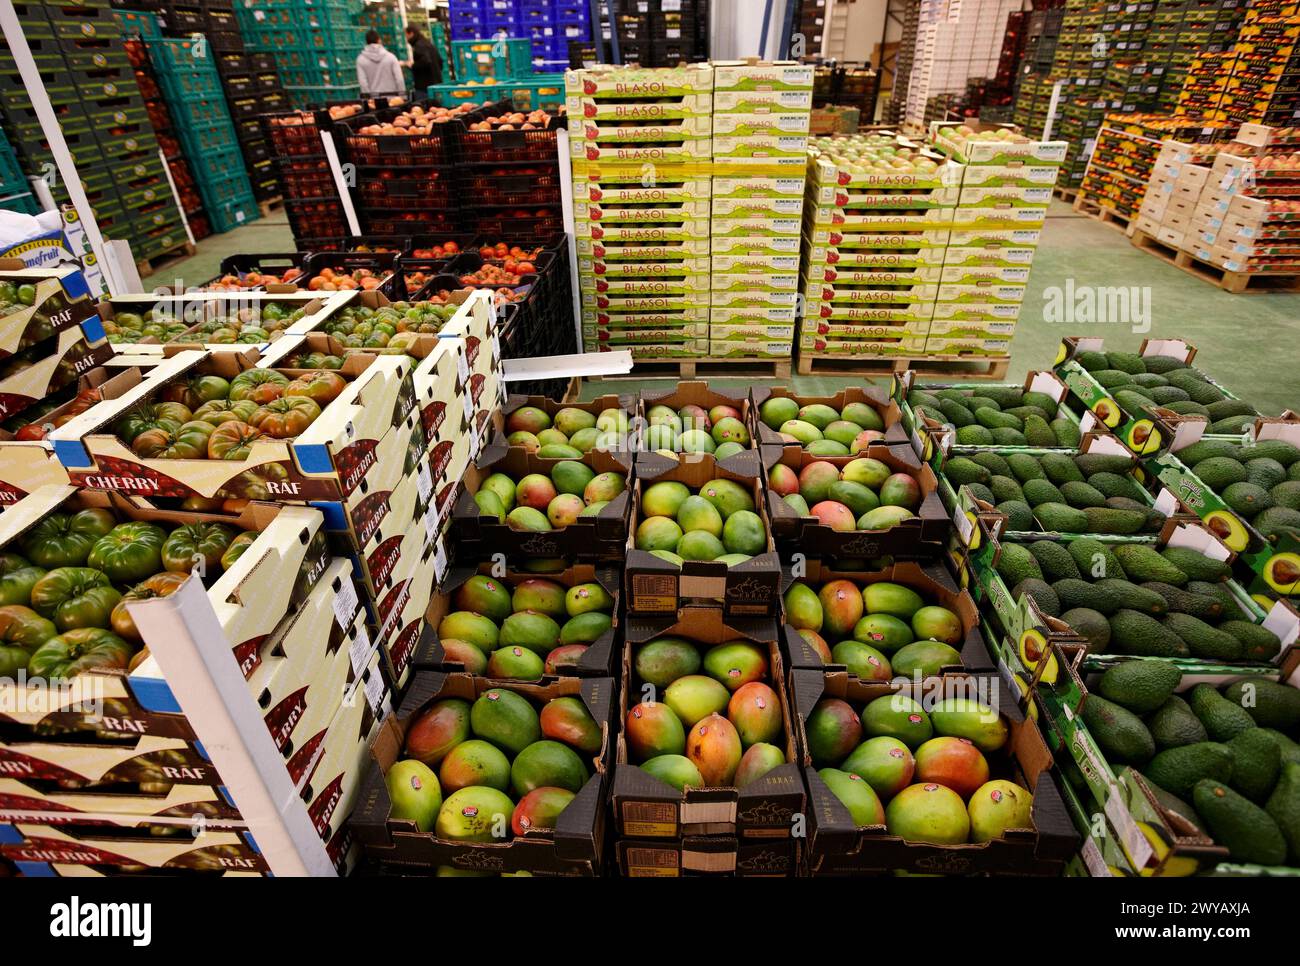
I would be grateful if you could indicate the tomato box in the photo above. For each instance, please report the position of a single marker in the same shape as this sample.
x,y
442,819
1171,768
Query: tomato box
x,y
646,807
34,801
574,847
922,535
207,851
325,461
376,543
479,535
40,371
931,580
656,586
595,661
708,855
401,604
37,303
446,409
887,411
838,846
142,759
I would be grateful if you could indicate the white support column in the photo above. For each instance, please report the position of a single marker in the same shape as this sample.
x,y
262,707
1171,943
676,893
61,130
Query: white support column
x,y
570,226
340,182
22,53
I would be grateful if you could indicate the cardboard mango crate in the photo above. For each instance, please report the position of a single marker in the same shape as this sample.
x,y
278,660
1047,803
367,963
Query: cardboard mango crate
x,y
659,587
596,661
703,399
932,580
923,535
647,808
575,847
710,856
837,846
889,412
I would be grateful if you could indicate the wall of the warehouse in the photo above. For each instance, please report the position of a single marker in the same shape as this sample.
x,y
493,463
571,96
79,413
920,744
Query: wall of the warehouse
x,y
736,28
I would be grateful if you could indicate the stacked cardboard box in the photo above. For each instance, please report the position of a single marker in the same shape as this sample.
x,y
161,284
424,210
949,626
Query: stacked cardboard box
x,y
1265,82
640,144
1169,204
1006,186
761,117
875,235
956,40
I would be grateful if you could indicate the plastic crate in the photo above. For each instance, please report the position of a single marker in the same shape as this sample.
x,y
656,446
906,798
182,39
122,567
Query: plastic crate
x,y
539,92
314,96
511,184
314,218
388,187
138,23
503,147
182,85
452,95
199,110
232,214
210,136
23,202
501,58
211,165
508,222
435,148
408,219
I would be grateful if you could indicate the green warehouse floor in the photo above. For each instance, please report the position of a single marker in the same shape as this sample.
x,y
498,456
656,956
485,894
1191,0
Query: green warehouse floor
x,y
1245,341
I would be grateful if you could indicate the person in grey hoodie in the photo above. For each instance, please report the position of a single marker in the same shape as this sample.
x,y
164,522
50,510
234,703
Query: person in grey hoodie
x,y
378,71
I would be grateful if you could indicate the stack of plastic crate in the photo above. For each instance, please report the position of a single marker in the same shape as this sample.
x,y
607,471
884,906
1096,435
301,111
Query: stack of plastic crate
x,y
83,64
15,194
315,44
552,26
311,198
192,88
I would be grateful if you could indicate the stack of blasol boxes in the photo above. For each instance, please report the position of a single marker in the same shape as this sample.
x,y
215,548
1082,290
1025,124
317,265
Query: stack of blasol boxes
x,y
761,116
640,144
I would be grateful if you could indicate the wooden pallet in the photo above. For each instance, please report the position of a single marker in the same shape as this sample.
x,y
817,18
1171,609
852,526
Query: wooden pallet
x,y
1066,194
968,367
1234,283
270,205
1107,216
692,368
147,266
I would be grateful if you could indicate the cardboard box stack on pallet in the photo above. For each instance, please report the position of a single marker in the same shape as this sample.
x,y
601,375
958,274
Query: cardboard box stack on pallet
x,y
761,114
643,249
1264,84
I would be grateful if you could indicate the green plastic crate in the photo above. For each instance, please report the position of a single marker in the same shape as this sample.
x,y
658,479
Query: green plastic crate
x,y
319,94
139,23
24,203
232,214
451,95
502,58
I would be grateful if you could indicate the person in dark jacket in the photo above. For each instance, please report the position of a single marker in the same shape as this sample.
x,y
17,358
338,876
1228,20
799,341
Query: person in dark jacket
x,y
426,63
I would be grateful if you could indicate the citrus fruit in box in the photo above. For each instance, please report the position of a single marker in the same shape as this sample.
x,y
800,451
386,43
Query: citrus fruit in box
x,y
553,501
719,522
502,744
524,627
719,721
929,768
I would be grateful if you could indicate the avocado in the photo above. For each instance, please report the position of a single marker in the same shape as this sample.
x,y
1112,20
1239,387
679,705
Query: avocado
x,y
974,436
1246,499
1095,559
1041,400
1105,519
1024,412
1163,364
994,419
1038,432
1005,488
1119,733
1183,602
1220,472
1091,625
1222,718
1274,449
1091,360
1140,686
1204,393
1040,593
1230,407
1054,559
1016,563
1203,449
1114,484
975,403
1186,407
1060,518
1256,761
1141,635
1258,643
1090,463
1290,750
1020,518
1177,770
959,471
1230,426
1133,401
1177,809
1269,704
1006,436
1167,395
982,492
1173,725
1150,380
1004,396
1275,521
1142,562
993,462
1111,379
1038,492
1218,591
1024,467
1287,494
1066,432
955,413
1247,831
1129,362
1196,565
1264,472
920,399
1081,495
1074,592
1283,806
1202,640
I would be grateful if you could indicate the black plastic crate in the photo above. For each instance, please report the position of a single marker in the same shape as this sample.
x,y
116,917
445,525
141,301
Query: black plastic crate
x,y
225,40
408,219
520,183
435,148
511,222
670,53
314,218
260,60
505,147
239,85
185,20
424,187
306,178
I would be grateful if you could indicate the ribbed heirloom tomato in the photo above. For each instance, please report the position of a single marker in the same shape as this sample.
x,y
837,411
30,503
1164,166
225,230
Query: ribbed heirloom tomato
x,y
197,390
189,441
218,411
148,415
75,651
322,387
129,552
75,597
22,630
233,440
194,541
64,540
286,417
237,548
159,585
259,385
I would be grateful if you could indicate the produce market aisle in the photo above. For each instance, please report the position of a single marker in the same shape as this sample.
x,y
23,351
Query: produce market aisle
x,y
1245,340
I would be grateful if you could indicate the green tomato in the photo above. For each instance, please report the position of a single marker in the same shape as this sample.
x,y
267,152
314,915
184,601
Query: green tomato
x,y
64,540
78,650
130,552
75,597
